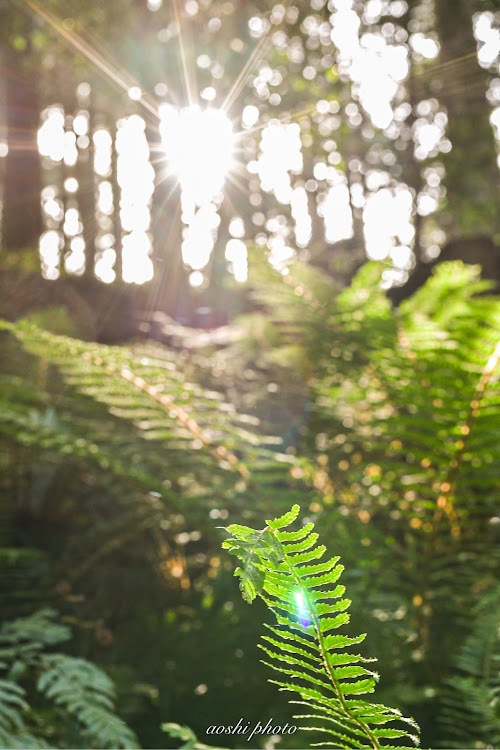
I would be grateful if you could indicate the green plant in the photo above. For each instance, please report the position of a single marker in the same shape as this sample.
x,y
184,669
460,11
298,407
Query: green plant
x,y
388,425
186,736
308,604
110,460
144,419
402,444
52,699
470,702
119,438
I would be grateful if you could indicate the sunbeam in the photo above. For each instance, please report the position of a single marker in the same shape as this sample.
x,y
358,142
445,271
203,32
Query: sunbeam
x,y
188,86
109,69
240,81
204,155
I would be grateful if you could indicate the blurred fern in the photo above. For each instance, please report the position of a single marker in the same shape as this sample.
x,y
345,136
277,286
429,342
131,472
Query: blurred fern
x,y
470,710
308,604
82,696
154,441
404,403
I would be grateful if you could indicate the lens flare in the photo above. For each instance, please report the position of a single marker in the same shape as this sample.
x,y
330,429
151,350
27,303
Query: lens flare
x,y
302,608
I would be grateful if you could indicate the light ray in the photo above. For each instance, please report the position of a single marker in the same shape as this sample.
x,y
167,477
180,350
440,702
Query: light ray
x,y
240,81
235,182
160,181
448,64
109,68
182,51
283,120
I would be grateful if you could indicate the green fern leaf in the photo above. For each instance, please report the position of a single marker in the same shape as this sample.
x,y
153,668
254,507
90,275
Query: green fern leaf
x,y
293,536
341,641
308,556
290,648
86,693
285,520
302,647
310,570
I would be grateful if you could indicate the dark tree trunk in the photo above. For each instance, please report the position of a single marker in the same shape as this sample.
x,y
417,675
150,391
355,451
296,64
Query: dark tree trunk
x,y
472,175
87,198
471,217
21,217
117,226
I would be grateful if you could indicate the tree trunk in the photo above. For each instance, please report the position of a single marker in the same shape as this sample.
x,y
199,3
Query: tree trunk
x,y
21,216
471,217
87,198
472,175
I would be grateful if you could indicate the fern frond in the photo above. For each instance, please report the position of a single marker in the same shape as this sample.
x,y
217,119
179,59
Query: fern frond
x,y
171,420
303,647
13,710
149,392
80,690
135,432
11,704
402,435
469,713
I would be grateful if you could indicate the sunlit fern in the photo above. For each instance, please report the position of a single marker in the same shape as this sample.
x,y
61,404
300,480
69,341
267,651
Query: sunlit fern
x,y
412,394
415,390
148,390
308,604
401,443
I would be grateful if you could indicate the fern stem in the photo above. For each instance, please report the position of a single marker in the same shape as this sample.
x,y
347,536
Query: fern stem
x,y
186,420
324,653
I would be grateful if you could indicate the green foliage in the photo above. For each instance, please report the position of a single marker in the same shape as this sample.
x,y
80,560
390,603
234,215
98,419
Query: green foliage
x,y
150,404
112,461
470,712
186,736
402,445
308,605
128,421
84,692
81,694
388,425
404,403
13,732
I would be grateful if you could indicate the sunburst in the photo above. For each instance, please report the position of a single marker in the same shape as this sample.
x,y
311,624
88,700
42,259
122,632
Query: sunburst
x,y
198,153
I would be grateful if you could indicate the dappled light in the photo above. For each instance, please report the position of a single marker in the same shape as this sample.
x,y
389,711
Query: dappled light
x,y
253,143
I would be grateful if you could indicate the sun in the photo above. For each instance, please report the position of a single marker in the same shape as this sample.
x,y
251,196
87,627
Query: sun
x,y
199,146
